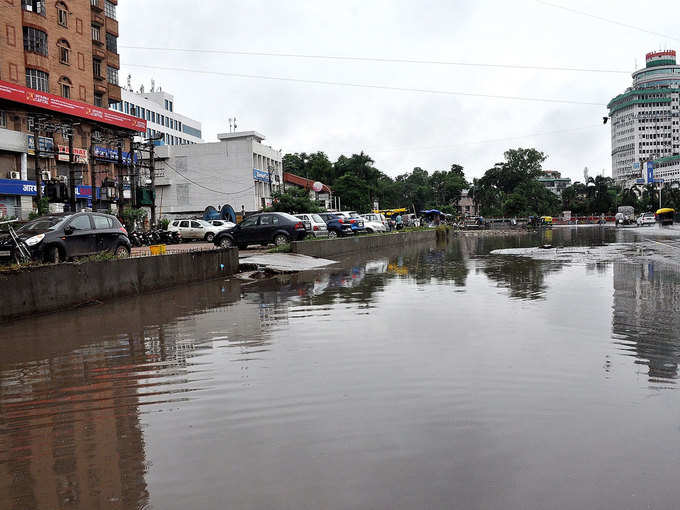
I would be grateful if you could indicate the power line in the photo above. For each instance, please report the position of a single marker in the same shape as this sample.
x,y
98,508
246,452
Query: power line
x,y
205,187
606,20
369,86
482,142
350,58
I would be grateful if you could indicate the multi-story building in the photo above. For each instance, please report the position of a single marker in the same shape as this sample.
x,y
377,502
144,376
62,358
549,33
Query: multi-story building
x,y
554,181
239,170
58,75
158,109
645,121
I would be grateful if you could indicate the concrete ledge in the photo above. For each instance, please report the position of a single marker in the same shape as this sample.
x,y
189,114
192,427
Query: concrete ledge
x,y
333,247
51,288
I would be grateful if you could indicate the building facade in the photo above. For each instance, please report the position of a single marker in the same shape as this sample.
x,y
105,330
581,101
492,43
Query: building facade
x,y
239,170
645,122
157,108
554,181
58,75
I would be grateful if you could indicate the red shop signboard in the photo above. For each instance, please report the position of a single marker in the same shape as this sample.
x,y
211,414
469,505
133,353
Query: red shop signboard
x,y
19,94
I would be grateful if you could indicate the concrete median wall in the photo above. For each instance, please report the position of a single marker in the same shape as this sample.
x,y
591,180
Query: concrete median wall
x,y
330,248
56,287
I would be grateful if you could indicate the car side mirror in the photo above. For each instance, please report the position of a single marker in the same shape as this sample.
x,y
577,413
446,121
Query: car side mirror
x,y
68,230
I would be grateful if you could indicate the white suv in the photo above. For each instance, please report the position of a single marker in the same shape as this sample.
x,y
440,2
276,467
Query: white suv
x,y
374,222
195,229
314,224
648,218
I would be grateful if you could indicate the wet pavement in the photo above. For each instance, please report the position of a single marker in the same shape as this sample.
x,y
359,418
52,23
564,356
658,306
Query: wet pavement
x,y
436,377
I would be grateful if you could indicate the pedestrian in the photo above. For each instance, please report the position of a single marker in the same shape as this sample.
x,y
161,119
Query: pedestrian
x,y
400,222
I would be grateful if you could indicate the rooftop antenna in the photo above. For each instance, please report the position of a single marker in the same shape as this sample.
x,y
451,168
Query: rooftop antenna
x,y
129,82
234,124
141,89
153,85
585,175
230,124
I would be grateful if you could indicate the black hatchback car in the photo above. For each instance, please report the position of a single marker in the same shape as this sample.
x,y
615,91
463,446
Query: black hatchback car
x,y
265,228
61,237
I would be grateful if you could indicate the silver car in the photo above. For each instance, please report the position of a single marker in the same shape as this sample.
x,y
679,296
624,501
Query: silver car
x,y
314,224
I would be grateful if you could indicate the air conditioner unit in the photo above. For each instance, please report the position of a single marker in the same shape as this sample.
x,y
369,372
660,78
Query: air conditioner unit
x,y
45,175
15,175
63,178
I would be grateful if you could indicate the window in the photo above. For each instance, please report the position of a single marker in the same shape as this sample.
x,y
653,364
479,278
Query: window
x,y
97,69
35,41
37,6
184,224
195,224
102,223
112,75
249,222
65,87
64,51
111,43
98,100
110,9
38,80
80,223
3,119
96,33
62,14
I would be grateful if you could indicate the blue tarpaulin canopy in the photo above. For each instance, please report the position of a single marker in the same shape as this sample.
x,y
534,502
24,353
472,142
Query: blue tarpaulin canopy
x,y
432,211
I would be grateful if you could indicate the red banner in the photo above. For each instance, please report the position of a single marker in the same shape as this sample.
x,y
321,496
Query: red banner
x,y
13,92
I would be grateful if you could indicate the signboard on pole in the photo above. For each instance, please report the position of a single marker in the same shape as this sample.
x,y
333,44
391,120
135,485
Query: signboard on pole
x,y
650,172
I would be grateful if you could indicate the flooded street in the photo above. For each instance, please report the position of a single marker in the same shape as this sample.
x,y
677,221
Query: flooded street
x,y
433,377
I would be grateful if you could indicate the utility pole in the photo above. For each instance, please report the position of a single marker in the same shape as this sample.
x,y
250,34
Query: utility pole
x,y
71,174
152,175
93,180
133,175
120,178
38,175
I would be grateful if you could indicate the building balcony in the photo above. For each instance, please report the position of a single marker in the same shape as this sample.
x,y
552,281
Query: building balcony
x,y
99,52
112,26
99,18
37,61
114,92
100,86
97,5
113,59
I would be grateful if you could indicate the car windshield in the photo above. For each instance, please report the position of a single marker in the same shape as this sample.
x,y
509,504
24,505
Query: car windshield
x,y
43,224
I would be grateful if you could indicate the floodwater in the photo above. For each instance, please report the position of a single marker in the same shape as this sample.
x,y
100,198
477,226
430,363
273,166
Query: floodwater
x,y
434,377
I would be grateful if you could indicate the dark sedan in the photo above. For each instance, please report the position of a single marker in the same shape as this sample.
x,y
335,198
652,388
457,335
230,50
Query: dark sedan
x,y
264,228
61,237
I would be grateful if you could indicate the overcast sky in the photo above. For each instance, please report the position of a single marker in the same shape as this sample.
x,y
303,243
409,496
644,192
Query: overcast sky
x,y
400,129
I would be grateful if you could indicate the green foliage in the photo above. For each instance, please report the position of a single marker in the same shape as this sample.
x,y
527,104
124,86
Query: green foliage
x,y
164,223
130,216
43,208
284,248
293,201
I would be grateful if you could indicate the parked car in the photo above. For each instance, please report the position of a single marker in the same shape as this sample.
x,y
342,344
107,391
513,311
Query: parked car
x,y
314,225
196,229
373,223
337,227
60,237
355,221
264,228
223,224
646,219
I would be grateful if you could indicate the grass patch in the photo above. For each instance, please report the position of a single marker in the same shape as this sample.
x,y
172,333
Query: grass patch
x,y
284,248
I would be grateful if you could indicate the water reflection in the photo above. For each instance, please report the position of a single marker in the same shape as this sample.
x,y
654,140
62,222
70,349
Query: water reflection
x,y
399,379
646,318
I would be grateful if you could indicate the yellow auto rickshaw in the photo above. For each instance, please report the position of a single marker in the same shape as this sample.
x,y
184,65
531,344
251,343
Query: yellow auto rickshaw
x,y
665,216
547,220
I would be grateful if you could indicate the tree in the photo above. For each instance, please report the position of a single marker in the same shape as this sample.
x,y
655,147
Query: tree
x,y
355,193
293,201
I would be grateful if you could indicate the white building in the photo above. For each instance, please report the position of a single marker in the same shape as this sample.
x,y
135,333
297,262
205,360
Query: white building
x,y
158,109
645,122
239,170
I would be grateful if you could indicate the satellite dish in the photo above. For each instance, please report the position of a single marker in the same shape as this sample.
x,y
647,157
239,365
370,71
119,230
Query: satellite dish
x,y
317,186
227,213
211,213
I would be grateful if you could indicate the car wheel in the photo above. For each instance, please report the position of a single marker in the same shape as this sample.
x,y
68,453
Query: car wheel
x,y
332,234
122,252
369,230
226,242
209,237
54,255
280,239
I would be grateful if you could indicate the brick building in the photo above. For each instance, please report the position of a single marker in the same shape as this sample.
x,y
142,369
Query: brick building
x,y
58,77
